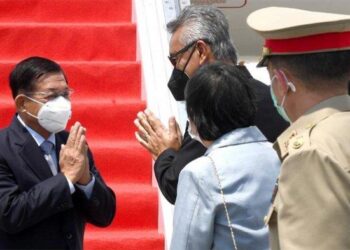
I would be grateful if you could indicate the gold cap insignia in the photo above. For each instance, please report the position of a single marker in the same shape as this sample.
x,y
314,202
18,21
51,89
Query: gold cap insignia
x,y
265,52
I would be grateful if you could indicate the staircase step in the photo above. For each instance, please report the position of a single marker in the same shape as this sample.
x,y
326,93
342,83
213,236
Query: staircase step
x,y
137,207
104,79
110,119
68,41
65,10
123,240
122,161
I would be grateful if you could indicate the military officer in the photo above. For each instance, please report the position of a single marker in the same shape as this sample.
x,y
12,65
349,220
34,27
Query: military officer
x,y
307,55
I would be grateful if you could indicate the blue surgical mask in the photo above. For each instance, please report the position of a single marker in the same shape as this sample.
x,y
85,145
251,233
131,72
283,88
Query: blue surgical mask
x,y
279,107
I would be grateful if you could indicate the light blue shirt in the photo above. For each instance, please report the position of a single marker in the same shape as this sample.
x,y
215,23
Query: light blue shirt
x,y
248,167
39,140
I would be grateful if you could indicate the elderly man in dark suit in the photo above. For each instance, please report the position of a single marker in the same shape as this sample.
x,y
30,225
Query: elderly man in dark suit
x,y
49,185
200,35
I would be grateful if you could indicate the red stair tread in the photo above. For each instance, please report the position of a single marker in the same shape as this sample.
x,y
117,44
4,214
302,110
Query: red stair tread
x,y
65,10
137,207
59,41
105,79
131,234
110,120
122,161
123,240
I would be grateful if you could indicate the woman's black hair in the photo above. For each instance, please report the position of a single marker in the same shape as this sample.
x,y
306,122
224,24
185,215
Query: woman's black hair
x,y
219,100
28,71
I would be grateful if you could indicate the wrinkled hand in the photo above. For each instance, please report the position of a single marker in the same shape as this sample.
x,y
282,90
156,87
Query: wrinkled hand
x,y
154,136
73,154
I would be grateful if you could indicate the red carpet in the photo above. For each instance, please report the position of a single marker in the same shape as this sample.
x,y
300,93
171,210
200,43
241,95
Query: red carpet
x,y
95,42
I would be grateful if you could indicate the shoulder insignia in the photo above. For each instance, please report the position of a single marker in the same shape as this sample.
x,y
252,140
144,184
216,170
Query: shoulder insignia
x,y
298,143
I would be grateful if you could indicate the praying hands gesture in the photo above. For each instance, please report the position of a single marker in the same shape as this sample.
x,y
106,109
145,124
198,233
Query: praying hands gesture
x,y
73,156
153,136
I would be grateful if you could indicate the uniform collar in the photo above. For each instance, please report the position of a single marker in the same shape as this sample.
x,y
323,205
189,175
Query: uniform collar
x,y
236,137
311,117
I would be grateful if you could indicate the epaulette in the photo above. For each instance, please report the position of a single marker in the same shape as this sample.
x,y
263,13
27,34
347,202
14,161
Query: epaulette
x,y
300,140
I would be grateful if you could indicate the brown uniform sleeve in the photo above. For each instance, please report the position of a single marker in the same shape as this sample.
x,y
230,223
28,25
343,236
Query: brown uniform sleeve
x,y
314,202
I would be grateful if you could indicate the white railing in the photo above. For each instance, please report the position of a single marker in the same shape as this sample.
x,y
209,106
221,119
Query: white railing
x,y
151,17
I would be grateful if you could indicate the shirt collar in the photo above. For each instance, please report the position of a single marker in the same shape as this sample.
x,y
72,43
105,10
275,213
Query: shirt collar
x,y
236,137
311,117
36,136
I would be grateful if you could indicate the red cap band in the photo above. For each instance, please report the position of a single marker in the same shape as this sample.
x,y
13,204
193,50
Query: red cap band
x,y
321,42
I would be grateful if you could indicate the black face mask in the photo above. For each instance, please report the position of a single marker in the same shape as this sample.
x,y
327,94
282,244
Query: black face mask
x,y
177,84
178,80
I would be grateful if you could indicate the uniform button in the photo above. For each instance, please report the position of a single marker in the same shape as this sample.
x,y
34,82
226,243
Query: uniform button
x,y
298,143
69,236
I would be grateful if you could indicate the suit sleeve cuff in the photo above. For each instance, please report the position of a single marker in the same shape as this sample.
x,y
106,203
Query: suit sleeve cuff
x,y
87,189
166,154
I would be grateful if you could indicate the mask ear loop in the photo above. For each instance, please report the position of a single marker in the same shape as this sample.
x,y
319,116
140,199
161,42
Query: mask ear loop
x,y
189,58
289,83
33,100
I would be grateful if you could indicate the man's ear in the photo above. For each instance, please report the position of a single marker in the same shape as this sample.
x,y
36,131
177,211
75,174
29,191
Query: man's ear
x,y
282,79
205,53
287,78
20,102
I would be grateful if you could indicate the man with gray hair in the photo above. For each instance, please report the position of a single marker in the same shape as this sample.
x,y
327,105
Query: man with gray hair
x,y
200,35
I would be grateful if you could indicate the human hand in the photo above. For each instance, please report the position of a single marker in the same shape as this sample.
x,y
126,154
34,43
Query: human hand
x,y
86,176
154,136
73,153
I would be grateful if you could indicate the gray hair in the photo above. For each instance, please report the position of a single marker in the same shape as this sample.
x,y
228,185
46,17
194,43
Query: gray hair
x,y
208,23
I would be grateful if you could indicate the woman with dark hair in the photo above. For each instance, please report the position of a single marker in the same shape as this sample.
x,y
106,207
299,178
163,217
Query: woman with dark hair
x,y
222,197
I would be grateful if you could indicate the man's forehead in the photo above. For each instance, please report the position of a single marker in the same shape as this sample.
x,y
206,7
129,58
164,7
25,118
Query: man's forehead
x,y
51,81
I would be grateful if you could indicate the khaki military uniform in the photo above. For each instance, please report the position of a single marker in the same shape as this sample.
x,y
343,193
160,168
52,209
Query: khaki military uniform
x,y
311,209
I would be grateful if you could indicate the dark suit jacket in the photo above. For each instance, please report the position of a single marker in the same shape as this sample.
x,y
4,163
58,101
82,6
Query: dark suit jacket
x,y
169,164
37,210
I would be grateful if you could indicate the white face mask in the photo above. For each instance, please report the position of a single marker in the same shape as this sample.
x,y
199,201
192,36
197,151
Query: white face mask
x,y
53,115
193,133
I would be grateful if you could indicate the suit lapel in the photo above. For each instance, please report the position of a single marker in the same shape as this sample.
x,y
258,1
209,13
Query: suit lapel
x,y
30,151
32,155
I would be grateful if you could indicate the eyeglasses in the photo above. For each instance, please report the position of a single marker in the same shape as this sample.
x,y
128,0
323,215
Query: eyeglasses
x,y
173,57
50,95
